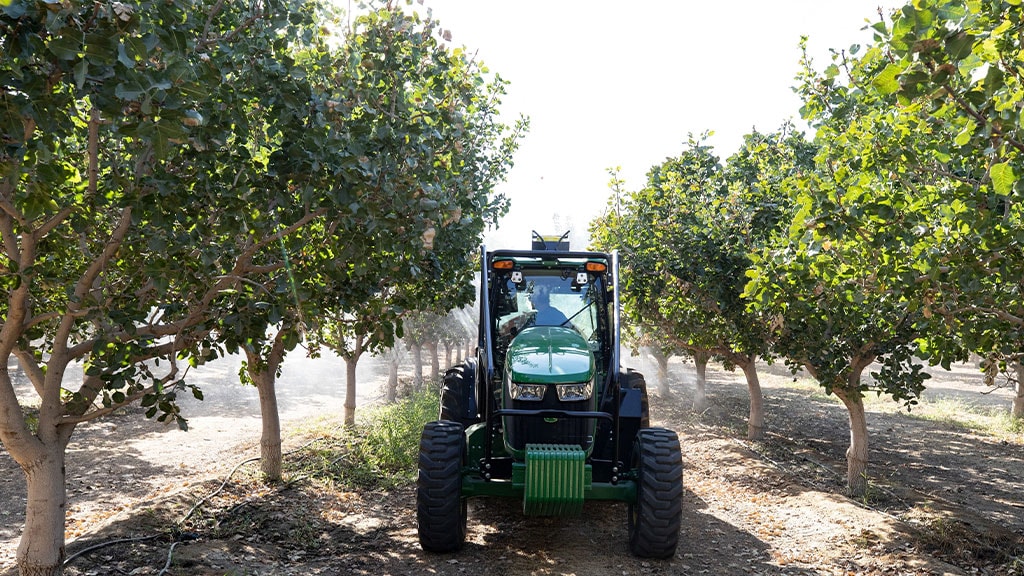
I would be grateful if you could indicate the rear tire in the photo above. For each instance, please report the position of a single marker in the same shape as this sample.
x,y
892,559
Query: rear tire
x,y
440,507
636,380
458,395
655,518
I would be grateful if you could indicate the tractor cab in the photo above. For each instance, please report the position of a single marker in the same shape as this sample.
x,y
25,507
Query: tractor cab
x,y
545,413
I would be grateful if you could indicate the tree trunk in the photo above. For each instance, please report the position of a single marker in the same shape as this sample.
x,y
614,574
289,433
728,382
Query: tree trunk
x,y
265,379
447,355
662,360
458,352
700,397
41,550
755,422
417,366
435,368
857,453
1018,402
41,457
351,361
391,389
270,418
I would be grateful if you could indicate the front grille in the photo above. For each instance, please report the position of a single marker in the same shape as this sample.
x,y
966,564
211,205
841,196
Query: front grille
x,y
523,430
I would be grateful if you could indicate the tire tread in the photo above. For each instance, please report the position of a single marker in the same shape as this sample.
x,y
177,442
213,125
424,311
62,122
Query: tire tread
x,y
440,507
658,509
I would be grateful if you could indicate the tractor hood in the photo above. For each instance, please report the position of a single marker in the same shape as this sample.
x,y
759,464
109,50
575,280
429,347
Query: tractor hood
x,y
549,355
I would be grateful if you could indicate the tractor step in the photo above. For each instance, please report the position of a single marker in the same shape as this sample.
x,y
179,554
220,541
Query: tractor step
x,y
555,480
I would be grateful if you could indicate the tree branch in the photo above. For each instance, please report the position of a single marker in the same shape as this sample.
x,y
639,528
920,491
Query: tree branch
x,y
10,239
232,35
92,391
7,208
14,324
88,279
998,313
982,120
209,20
31,368
100,412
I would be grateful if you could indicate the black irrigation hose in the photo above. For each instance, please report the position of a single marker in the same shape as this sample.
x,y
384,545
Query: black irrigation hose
x,y
167,565
105,544
217,491
232,473
195,507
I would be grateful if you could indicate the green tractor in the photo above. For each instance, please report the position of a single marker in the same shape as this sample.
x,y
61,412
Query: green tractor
x,y
544,413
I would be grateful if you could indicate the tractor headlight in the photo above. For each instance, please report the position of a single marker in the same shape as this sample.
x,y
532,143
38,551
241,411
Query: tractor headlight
x,y
572,392
533,392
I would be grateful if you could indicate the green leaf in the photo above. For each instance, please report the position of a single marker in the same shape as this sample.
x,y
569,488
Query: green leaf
x,y
80,71
965,135
1003,178
65,47
123,58
129,90
885,82
101,48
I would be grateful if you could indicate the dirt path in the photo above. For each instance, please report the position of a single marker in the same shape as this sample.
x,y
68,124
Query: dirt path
x,y
945,500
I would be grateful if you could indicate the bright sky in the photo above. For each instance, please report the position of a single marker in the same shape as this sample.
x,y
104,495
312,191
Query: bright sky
x,y
608,85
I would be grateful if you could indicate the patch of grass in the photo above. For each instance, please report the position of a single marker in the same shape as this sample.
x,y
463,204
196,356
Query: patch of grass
x,y
991,420
994,421
957,541
391,438
381,451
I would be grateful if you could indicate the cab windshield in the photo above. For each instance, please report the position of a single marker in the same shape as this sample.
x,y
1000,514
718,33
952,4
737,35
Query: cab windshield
x,y
549,298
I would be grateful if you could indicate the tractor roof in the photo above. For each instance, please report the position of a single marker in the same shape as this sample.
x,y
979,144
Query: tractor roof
x,y
547,259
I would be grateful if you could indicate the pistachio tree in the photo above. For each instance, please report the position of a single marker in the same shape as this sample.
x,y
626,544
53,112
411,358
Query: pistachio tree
x,y
686,240
950,68
849,281
421,330
433,161
908,241
169,169
371,328
841,287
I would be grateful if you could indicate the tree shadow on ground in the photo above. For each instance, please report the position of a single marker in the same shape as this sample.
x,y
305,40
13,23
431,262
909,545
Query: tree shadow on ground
x,y
101,470
958,490
380,539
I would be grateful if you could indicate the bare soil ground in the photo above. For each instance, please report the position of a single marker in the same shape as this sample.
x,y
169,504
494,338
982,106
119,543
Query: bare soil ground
x,y
944,500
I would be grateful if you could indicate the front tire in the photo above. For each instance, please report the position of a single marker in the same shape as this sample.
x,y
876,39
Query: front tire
x,y
655,518
440,507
